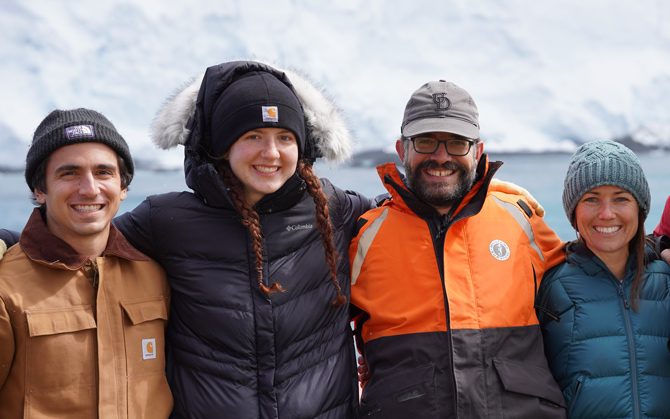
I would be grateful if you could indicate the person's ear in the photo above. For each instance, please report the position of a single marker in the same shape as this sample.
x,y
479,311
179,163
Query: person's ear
x,y
479,149
400,149
40,197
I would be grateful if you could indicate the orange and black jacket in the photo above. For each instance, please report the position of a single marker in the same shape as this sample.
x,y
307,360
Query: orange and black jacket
x,y
444,305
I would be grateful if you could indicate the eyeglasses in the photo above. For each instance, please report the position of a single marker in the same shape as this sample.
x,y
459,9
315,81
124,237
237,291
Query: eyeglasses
x,y
429,145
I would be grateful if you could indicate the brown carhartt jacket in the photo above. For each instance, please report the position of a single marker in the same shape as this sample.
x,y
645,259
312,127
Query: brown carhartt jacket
x,y
81,339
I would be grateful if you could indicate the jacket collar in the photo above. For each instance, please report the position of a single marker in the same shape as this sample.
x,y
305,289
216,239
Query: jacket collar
x,y
42,246
581,256
207,183
290,193
396,184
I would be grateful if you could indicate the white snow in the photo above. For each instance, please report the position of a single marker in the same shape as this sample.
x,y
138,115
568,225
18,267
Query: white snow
x,y
546,75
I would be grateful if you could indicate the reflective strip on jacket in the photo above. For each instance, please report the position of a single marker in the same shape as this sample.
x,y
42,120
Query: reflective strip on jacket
x,y
448,320
67,352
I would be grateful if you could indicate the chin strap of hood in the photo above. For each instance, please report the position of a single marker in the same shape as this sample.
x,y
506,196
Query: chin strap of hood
x,y
326,132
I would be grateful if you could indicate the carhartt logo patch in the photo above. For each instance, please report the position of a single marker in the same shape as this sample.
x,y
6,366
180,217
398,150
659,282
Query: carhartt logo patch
x,y
499,250
79,131
442,101
149,348
270,114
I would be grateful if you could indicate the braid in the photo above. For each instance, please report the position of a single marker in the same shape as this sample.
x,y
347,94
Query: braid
x,y
324,225
251,221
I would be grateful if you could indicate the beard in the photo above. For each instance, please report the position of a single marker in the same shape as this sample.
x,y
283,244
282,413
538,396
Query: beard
x,y
443,194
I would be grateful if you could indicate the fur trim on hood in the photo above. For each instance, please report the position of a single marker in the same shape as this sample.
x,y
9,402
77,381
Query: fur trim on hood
x,y
324,122
168,129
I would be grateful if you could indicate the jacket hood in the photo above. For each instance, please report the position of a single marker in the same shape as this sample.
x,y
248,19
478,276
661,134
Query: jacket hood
x,y
184,117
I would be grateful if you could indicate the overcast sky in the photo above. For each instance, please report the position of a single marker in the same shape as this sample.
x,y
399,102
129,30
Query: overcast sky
x,y
544,73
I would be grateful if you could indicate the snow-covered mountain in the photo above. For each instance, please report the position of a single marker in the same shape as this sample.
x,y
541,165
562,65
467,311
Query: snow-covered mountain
x,y
545,74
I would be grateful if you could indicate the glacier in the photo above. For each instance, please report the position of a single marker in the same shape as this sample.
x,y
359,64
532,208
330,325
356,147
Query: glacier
x,y
546,76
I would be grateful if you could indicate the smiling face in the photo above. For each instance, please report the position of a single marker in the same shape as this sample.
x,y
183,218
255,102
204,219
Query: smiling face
x,y
83,193
439,179
263,160
607,220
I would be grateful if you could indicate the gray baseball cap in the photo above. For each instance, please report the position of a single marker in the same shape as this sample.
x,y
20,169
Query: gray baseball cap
x,y
441,106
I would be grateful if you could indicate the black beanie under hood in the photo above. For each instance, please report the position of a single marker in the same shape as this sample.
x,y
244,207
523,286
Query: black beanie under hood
x,y
256,100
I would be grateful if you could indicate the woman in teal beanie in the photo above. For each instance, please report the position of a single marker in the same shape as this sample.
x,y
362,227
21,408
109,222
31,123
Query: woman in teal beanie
x,y
605,312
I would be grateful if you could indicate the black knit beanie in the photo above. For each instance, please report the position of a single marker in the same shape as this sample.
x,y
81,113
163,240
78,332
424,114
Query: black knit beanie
x,y
256,100
61,128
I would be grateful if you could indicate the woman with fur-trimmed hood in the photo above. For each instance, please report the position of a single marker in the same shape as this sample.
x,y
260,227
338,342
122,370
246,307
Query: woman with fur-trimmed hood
x,y
256,254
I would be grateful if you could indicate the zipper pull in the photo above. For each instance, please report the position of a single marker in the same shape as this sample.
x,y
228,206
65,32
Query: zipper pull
x,y
442,227
623,296
548,313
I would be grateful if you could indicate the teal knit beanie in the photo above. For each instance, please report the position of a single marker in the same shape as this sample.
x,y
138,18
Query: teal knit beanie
x,y
599,163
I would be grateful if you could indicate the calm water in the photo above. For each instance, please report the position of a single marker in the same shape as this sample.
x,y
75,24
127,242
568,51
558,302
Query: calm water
x,y
541,175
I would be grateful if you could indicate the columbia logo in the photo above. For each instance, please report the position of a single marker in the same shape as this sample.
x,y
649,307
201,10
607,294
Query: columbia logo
x,y
294,227
79,131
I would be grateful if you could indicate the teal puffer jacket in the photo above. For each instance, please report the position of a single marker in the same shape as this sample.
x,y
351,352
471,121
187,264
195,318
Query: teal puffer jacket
x,y
609,360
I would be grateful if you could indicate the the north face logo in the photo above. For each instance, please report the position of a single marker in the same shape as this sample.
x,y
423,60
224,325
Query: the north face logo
x,y
79,131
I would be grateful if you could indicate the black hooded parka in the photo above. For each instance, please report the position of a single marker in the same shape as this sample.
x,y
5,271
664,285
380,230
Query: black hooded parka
x,y
233,352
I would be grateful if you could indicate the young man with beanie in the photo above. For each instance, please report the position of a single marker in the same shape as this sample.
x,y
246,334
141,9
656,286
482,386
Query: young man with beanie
x,y
82,312
444,277
605,312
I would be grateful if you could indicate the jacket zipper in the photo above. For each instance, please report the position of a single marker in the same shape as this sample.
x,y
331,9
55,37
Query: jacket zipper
x,y
541,306
442,227
631,348
575,396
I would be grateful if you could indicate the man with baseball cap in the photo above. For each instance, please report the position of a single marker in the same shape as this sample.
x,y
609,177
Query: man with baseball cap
x,y
82,312
444,277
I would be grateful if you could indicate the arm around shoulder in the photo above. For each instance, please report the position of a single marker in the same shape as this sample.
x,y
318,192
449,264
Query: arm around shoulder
x,y
665,254
7,239
136,227
350,204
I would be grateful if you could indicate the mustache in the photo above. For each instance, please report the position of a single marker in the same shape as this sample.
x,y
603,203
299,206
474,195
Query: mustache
x,y
432,164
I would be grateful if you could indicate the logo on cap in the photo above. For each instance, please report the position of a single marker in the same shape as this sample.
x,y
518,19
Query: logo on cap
x,y
149,348
270,114
442,101
499,250
79,131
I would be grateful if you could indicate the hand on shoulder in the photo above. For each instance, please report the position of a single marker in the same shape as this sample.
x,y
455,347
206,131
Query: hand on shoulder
x,y
512,188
